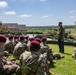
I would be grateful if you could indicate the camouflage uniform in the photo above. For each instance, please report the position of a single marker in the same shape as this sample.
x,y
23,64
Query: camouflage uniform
x,y
32,63
74,55
1,63
4,67
19,49
9,46
16,39
46,49
9,67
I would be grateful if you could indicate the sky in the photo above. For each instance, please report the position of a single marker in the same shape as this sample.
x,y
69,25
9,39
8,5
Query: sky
x,y
38,12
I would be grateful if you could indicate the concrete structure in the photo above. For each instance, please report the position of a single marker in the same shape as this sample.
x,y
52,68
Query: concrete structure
x,y
22,27
14,27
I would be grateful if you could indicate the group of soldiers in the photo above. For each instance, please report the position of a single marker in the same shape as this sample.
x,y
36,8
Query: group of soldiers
x,y
30,55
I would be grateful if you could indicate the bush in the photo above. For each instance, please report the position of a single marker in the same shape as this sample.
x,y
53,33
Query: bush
x,y
66,43
70,36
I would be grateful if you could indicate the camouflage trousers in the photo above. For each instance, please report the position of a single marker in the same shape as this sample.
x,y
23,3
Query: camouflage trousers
x,y
1,67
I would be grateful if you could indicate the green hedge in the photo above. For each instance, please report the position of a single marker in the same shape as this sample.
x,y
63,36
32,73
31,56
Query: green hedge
x,y
66,43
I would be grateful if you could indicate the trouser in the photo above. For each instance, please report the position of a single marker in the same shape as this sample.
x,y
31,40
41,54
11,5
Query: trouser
x,y
1,67
61,45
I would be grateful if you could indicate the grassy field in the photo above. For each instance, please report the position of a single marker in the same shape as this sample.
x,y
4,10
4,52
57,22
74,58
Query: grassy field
x,y
65,66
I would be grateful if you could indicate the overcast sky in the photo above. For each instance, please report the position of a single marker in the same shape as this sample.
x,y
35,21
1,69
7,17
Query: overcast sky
x,y
38,12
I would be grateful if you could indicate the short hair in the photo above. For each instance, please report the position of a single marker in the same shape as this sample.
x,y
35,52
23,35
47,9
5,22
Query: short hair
x,y
60,22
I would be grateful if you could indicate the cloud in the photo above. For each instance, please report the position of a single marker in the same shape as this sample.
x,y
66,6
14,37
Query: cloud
x,y
42,0
45,16
25,15
72,16
13,0
10,13
3,4
72,11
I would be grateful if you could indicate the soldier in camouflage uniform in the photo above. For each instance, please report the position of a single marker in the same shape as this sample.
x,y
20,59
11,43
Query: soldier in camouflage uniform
x,y
38,39
33,63
74,55
2,42
28,44
16,39
46,49
6,66
9,66
9,46
19,48
61,38
27,39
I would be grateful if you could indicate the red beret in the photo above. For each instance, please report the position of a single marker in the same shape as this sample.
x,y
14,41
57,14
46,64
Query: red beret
x,y
22,37
11,37
44,39
16,36
35,44
2,38
31,39
38,40
27,37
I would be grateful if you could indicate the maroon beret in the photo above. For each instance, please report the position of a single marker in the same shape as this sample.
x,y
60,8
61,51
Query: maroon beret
x,y
44,39
31,39
27,37
16,36
22,37
11,37
35,44
2,38
38,39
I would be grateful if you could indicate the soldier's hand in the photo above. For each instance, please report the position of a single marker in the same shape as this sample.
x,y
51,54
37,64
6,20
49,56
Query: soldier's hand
x,y
9,63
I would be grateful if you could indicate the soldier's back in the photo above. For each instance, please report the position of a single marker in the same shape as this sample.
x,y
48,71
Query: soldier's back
x,y
19,49
31,64
9,46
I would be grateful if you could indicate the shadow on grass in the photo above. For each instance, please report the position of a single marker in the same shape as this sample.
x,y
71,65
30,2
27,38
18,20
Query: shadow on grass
x,y
67,53
51,66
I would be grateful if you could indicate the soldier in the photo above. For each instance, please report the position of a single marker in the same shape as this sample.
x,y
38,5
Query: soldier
x,y
74,55
6,66
9,66
38,39
28,44
20,47
46,49
61,38
2,42
32,63
9,46
27,38
16,39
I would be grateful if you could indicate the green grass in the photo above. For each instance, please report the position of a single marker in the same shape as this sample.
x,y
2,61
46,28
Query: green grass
x,y
65,66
